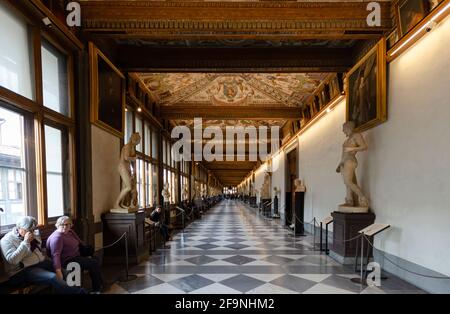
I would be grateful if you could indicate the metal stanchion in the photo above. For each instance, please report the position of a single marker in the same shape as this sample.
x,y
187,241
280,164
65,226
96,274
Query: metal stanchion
x,y
127,277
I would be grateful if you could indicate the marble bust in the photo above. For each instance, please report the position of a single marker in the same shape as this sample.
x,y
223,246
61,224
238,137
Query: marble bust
x,y
165,193
355,200
127,201
299,186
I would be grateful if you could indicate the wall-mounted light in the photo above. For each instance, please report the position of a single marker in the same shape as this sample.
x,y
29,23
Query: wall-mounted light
x,y
139,109
47,22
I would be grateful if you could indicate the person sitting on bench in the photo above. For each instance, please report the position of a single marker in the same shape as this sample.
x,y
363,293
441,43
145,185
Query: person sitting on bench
x,y
155,217
64,246
25,263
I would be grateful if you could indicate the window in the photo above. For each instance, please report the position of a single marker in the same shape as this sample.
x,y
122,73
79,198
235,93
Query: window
x,y
128,125
148,185
164,151
54,79
16,54
57,165
139,130
154,144
148,137
155,184
140,182
12,167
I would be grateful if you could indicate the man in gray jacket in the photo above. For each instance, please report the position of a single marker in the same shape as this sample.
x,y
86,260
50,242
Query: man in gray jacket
x,y
24,261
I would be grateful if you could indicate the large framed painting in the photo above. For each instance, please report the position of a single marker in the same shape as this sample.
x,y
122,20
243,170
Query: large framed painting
x,y
366,89
107,93
410,13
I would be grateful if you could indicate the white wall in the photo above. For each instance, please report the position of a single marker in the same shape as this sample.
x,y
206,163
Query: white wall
x,y
105,177
406,170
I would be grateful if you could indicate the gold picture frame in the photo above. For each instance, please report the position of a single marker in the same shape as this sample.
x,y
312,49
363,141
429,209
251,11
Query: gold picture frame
x,y
365,88
107,93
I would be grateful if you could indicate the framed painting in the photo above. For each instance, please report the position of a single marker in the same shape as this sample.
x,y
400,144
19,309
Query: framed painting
x,y
410,13
366,89
107,93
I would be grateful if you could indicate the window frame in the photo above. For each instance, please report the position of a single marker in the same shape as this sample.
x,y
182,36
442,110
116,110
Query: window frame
x,y
39,115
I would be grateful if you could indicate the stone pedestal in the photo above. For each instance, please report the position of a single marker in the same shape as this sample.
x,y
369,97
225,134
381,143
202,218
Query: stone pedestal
x,y
346,226
114,225
276,214
299,213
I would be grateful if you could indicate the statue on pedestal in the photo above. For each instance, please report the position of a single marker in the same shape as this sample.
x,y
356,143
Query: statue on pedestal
x,y
355,200
166,193
127,201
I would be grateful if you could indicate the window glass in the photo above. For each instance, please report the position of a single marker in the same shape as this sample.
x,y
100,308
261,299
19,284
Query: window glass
x,y
148,137
139,130
56,164
128,125
16,54
54,79
154,144
12,167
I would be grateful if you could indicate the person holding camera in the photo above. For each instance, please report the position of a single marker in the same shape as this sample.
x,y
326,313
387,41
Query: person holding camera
x,y
64,246
25,263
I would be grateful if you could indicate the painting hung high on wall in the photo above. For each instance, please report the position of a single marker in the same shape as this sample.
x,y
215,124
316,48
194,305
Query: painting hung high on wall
x,y
410,13
107,93
366,89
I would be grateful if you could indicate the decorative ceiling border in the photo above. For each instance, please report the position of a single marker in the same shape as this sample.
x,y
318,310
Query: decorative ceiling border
x,y
148,24
214,4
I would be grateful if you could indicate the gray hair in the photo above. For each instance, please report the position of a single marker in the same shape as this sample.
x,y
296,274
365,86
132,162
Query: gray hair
x,y
62,219
28,223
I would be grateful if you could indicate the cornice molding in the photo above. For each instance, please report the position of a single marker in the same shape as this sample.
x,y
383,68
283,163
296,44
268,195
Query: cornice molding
x,y
230,25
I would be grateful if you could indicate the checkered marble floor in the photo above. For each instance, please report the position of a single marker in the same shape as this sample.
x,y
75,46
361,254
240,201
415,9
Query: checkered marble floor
x,y
232,250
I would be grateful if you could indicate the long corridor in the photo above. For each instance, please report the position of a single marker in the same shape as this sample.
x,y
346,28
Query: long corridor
x,y
232,250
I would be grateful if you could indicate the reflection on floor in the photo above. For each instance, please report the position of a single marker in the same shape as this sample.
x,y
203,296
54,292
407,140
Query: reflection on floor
x,y
233,250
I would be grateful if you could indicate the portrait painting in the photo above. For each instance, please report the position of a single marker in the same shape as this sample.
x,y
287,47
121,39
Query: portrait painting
x,y
335,88
366,89
107,94
410,13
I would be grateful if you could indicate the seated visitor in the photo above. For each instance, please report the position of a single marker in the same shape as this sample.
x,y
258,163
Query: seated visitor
x,y
155,217
64,245
25,263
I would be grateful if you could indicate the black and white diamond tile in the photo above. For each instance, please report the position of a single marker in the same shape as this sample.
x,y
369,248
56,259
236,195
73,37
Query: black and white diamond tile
x,y
233,250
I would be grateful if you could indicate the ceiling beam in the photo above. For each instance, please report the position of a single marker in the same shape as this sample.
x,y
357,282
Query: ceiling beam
x,y
133,58
177,19
229,112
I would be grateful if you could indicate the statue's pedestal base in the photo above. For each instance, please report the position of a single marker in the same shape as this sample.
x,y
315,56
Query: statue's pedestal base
x,y
123,210
114,226
345,227
352,209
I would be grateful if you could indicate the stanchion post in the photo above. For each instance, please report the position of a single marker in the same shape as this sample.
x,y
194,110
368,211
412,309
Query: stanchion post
x,y
362,258
321,236
326,240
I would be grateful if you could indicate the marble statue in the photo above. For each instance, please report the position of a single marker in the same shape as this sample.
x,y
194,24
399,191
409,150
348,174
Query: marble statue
x,y
355,200
299,186
127,201
185,192
166,193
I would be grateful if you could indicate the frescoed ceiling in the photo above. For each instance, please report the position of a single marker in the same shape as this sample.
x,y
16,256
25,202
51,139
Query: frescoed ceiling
x,y
237,89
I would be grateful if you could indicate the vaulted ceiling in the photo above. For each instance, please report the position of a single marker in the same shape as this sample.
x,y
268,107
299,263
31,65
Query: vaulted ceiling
x,y
232,63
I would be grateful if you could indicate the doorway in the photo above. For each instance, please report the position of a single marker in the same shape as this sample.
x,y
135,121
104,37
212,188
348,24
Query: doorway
x,y
291,175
